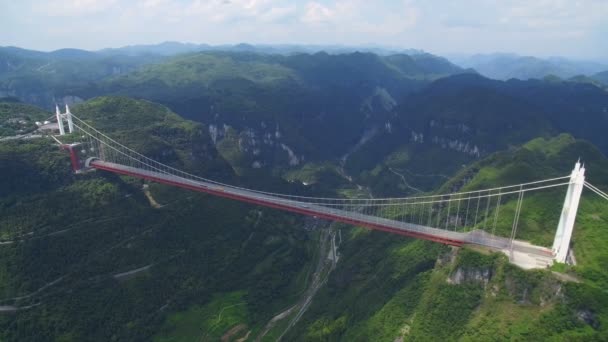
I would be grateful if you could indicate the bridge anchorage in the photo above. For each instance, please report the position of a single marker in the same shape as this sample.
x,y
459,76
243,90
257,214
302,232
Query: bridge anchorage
x,y
487,218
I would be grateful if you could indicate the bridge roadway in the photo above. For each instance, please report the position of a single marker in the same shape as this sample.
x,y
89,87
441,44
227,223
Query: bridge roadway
x,y
448,237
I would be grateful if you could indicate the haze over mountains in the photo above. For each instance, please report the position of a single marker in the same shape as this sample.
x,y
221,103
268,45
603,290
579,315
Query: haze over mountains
x,y
158,263
320,104
503,66
292,108
19,65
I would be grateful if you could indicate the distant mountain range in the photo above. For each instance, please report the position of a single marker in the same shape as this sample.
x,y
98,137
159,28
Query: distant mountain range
x,y
504,66
43,78
285,110
173,48
601,77
501,66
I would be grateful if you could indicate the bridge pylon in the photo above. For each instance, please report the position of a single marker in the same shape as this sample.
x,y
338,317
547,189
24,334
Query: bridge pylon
x,y
565,227
60,116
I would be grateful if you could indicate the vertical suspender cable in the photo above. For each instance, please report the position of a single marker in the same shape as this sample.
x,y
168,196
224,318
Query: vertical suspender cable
x,y
496,212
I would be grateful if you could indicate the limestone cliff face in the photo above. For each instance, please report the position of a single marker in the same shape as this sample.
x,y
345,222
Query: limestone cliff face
x,y
463,275
254,147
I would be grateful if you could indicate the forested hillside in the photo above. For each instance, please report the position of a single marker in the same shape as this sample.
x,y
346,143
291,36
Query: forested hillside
x,y
505,66
316,106
601,77
387,288
77,250
17,118
101,257
43,78
379,120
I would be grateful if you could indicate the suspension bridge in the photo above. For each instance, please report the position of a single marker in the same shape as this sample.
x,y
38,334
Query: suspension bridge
x,y
474,217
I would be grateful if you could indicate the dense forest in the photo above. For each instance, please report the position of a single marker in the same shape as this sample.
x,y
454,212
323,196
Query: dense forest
x,y
101,257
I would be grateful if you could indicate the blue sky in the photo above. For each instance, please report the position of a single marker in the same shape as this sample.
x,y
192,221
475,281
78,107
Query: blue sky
x,y
572,28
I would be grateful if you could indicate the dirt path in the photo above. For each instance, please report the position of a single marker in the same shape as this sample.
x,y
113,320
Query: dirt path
x,y
130,274
233,331
31,294
319,278
10,308
566,277
244,338
438,175
228,334
150,198
404,181
37,235
274,321
322,271
342,172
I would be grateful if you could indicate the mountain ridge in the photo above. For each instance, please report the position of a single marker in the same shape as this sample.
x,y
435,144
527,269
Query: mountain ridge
x,y
504,66
155,262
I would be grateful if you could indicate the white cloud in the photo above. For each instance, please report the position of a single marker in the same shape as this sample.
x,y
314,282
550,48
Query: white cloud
x,y
316,13
524,26
73,7
277,13
361,17
555,14
153,3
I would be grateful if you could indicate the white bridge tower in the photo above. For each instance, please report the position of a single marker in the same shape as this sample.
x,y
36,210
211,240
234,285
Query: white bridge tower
x,y
60,116
561,244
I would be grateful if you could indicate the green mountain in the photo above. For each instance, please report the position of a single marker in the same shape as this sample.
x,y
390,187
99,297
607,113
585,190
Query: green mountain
x,y
588,79
601,77
158,263
504,66
46,78
19,118
171,48
154,262
387,288
514,111
380,119
377,120
458,119
280,110
77,250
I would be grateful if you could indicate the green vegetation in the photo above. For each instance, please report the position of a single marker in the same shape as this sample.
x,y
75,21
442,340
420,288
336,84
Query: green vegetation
x,y
65,237
466,295
209,322
601,77
326,174
589,234
155,131
215,268
43,78
301,101
207,68
361,285
18,118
